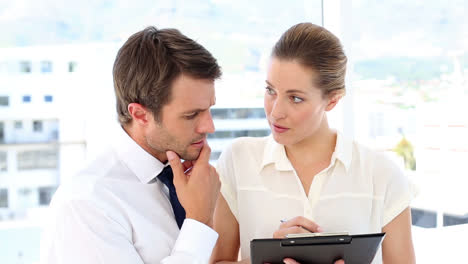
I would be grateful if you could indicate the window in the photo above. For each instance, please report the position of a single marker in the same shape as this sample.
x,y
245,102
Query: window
x,y
228,134
26,198
413,89
72,66
26,98
45,195
2,132
48,98
37,159
3,161
3,198
37,126
46,66
215,155
240,113
25,66
4,100
18,124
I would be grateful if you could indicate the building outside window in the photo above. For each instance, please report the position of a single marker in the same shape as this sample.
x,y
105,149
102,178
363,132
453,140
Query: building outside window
x,y
4,100
46,66
26,98
2,132
37,159
72,66
45,195
37,126
25,66
18,124
3,161
48,98
3,198
26,197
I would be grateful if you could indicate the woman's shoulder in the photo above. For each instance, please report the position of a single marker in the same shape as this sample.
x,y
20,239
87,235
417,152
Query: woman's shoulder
x,y
251,143
245,148
377,164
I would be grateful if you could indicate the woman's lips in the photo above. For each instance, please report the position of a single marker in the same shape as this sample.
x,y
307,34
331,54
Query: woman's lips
x,y
279,129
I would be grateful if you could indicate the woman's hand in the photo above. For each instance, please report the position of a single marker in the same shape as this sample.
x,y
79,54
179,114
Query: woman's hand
x,y
292,261
297,225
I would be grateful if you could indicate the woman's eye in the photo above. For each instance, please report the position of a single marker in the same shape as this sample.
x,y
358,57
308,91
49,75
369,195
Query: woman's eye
x,y
297,99
270,91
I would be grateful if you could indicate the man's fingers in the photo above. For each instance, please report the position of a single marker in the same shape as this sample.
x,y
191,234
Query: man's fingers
x,y
188,164
177,167
204,154
340,261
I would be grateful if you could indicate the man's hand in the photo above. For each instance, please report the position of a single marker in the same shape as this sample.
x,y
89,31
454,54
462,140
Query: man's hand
x,y
197,188
297,225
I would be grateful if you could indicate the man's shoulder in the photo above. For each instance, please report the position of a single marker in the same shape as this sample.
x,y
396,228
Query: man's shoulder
x,y
89,182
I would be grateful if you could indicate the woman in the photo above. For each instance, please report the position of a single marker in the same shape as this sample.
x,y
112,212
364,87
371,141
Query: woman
x,y
304,172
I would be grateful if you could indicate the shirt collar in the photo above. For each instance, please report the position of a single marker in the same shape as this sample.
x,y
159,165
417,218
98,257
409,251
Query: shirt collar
x,y
343,150
276,154
141,163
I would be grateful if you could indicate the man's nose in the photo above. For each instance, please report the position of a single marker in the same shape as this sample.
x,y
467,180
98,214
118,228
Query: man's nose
x,y
206,125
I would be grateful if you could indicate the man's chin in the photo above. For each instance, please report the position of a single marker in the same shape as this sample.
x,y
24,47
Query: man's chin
x,y
191,155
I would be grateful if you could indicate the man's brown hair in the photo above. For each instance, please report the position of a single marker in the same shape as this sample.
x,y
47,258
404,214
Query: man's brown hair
x,y
318,49
149,61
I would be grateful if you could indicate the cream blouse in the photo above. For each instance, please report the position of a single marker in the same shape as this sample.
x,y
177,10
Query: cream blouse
x,y
360,192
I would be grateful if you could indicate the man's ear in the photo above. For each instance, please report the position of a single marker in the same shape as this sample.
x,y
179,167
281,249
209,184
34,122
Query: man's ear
x,y
139,113
333,99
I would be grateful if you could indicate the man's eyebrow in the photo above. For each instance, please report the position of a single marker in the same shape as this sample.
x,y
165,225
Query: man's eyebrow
x,y
193,111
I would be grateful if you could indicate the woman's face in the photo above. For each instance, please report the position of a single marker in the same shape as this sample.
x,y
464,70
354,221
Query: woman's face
x,y
294,107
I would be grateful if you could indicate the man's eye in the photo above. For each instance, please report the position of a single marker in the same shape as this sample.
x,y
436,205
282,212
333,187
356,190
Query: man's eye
x,y
191,116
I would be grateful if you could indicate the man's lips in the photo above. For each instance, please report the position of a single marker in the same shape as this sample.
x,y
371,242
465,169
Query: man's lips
x,y
199,143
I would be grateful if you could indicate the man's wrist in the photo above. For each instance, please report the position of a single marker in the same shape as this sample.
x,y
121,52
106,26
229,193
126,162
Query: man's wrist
x,y
202,219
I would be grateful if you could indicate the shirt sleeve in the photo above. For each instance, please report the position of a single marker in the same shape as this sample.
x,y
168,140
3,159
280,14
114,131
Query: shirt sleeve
x,y
399,190
195,242
226,170
83,233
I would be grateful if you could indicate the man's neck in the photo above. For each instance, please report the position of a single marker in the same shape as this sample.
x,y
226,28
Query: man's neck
x,y
139,138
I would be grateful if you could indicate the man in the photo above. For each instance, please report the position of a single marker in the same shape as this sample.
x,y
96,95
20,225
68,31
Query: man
x,y
123,207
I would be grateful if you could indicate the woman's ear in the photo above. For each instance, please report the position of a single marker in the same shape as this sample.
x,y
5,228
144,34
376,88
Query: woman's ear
x,y
139,113
333,99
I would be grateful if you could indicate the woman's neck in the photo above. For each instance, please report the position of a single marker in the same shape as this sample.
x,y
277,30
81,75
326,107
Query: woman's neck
x,y
317,148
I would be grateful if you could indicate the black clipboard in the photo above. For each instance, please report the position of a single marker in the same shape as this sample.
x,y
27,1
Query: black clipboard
x,y
353,249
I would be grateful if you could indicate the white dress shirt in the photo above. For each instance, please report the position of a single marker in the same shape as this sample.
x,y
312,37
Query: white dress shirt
x,y
111,212
360,192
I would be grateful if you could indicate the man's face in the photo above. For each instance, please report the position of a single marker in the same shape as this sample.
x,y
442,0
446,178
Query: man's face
x,y
185,120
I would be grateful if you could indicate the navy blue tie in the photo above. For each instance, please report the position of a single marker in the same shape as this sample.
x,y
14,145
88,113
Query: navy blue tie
x,y
167,178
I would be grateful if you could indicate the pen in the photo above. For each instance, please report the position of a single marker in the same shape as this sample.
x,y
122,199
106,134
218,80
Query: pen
x,y
282,221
